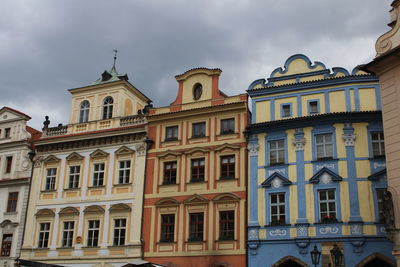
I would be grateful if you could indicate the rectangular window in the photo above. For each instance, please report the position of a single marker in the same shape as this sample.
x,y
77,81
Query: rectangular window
x,y
74,173
119,232
167,227
170,172
313,107
196,226
286,110
228,167
276,152
98,174
327,205
93,233
8,164
44,233
7,133
228,126
227,225
278,209
12,201
380,197
68,234
324,146
198,170
378,144
124,171
51,179
199,129
6,245
171,133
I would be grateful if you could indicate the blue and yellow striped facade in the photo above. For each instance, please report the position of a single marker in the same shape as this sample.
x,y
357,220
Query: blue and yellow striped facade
x,y
346,107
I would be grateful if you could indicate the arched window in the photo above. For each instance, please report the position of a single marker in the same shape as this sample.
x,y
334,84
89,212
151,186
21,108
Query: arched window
x,y
84,111
108,108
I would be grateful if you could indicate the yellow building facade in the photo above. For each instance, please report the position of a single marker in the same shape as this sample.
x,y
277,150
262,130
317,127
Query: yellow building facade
x,y
85,204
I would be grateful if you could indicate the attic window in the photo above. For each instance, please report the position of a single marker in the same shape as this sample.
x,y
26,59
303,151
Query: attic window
x,y
197,91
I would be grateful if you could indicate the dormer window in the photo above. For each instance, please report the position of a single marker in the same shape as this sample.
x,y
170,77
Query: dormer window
x,y
108,108
197,91
84,111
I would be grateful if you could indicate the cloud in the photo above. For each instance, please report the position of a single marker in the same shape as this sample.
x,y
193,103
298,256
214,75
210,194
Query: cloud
x,y
47,47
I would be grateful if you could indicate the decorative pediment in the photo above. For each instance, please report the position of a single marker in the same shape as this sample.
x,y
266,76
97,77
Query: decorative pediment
x,y
93,209
196,150
168,201
51,159
226,197
8,223
325,176
196,199
98,153
276,180
74,156
169,153
69,211
45,213
120,207
123,150
227,146
378,176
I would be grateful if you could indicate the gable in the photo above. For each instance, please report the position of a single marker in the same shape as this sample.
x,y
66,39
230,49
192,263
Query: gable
x,y
98,153
325,176
69,211
9,114
121,207
74,156
196,199
51,159
123,150
379,176
276,180
167,202
45,213
226,197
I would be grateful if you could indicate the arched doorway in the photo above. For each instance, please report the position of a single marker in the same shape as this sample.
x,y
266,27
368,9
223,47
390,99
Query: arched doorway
x,y
290,261
376,259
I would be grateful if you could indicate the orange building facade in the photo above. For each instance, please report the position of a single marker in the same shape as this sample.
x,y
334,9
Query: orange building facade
x,y
195,192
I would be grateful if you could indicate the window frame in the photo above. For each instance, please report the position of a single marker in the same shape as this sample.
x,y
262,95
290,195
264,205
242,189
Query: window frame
x,y
6,246
380,142
7,133
199,177
196,220
108,106
229,166
282,108
317,101
8,164
168,173
203,133
96,178
12,201
227,130
174,130
328,218
51,179
84,111
324,144
74,177
93,233
167,228
124,173
379,204
68,234
44,234
119,233
277,204
276,150
226,234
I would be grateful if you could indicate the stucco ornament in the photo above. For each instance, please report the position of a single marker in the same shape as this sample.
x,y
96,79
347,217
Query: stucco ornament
x,y
349,139
38,160
253,234
276,183
277,232
326,178
253,149
356,229
329,230
140,150
302,231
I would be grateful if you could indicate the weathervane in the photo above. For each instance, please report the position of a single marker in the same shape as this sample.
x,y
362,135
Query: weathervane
x,y
115,55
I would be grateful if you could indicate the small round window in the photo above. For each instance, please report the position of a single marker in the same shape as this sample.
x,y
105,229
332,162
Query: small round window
x,y
197,91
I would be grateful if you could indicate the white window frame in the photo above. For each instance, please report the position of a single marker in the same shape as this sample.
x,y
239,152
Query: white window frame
x,y
68,234
44,235
275,150
74,176
93,233
119,232
51,175
99,174
124,171
324,144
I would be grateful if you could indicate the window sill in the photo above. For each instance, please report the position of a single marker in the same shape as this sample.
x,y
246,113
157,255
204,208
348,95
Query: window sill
x,y
66,248
168,184
196,182
72,189
227,179
283,164
10,213
165,242
227,133
171,140
278,225
97,247
124,184
96,186
198,137
117,246
324,159
40,248
328,222
195,241
226,240
48,191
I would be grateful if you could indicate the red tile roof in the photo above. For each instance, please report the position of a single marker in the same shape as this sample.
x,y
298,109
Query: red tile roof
x,y
17,111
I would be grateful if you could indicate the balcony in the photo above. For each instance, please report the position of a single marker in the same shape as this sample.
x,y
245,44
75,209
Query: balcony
x,y
95,125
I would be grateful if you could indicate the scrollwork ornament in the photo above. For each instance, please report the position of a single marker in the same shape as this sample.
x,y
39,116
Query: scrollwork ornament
x,y
253,149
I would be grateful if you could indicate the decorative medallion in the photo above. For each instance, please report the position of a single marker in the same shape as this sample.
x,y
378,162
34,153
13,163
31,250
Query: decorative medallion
x,y
276,183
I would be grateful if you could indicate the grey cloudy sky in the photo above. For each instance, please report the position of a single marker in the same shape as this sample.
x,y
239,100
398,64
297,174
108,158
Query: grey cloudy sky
x,y
48,46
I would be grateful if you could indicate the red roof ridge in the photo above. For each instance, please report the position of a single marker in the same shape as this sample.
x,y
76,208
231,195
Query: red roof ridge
x,y
19,112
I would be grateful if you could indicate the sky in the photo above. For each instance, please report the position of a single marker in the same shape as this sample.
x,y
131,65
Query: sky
x,y
47,46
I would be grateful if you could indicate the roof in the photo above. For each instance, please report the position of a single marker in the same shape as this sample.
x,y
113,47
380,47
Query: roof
x,y
215,71
16,111
34,133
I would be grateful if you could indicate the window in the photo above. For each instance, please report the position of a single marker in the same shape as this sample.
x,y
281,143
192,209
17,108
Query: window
x,y
276,152
198,170
170,172
380,197
324,146
44,232
8,164
227,126
68,234
93,233
327,205
277,209
286,110
124,171
378,144
227,225
7,133
196,226
51,179
171,133
228,167
199,129
84,111
74,172
119,232
6,245
313,107
167,227
98,174
12,201
108,108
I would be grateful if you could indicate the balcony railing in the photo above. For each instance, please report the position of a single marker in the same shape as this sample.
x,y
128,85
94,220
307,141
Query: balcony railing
x,y
95,125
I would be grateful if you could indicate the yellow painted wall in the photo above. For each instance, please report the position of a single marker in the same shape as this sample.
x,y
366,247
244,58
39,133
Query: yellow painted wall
x,y
367,99
365,198
263,111
344,199
337,101
340,147
204,79
310,203
360,147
